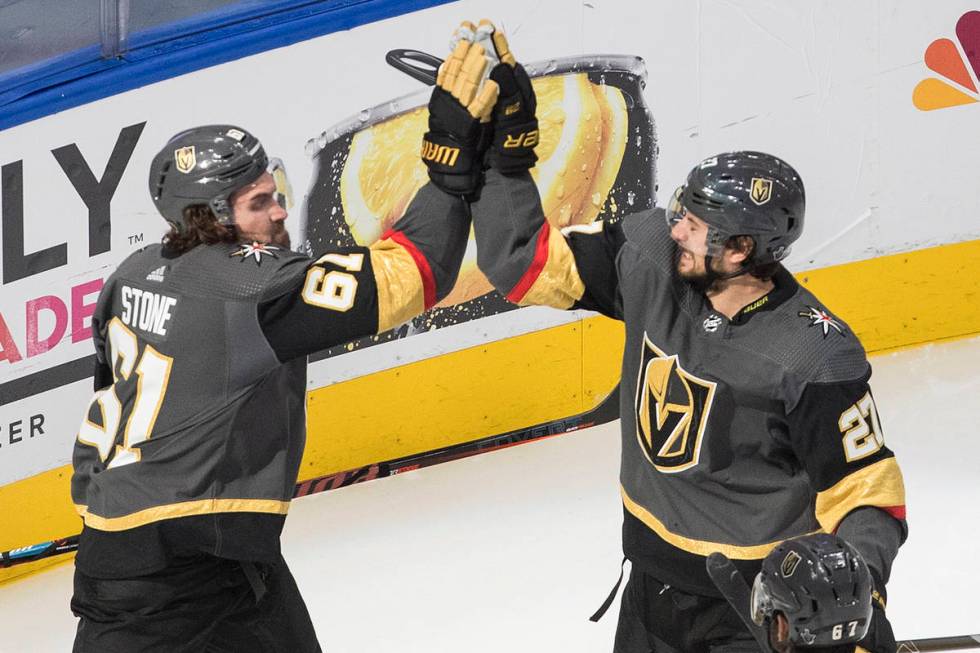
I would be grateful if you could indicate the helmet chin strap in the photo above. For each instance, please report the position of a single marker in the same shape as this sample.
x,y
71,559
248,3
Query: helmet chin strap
x,y
742,269
713,275
704,283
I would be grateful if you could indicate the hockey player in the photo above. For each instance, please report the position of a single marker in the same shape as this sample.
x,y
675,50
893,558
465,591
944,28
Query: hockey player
x,y
185,464
814,594
747,417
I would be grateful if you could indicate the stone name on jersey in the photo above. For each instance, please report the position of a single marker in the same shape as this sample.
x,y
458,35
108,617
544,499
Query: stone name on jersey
x,y
145,310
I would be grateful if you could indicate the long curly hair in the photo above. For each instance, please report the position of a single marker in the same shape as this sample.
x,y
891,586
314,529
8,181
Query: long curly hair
x,y
200,227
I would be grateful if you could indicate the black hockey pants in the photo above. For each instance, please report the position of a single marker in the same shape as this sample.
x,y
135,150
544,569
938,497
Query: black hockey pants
x,y
656,618
198,604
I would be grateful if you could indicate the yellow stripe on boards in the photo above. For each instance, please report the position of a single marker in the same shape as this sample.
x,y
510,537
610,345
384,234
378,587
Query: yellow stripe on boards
x,y
905,299
603,340
454,398
34,510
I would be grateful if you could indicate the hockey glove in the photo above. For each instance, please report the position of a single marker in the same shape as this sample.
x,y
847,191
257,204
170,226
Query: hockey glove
x,y
515,127
880,638
459,113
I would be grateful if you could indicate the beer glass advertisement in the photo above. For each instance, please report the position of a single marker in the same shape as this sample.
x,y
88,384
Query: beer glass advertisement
x,y
596,161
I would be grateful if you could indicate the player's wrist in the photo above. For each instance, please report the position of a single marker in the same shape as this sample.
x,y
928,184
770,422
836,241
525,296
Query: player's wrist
x,y
880,637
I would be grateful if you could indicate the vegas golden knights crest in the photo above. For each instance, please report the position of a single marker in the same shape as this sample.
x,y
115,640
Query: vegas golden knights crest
x,y
789,564
761,191
185,158
672,407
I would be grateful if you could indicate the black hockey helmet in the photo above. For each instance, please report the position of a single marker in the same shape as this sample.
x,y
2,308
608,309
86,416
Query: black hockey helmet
x,y
822,586
204,165
744,194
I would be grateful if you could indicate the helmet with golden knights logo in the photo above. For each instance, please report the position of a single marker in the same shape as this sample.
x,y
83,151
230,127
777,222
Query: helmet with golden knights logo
x,y
744,194
204,165
821,585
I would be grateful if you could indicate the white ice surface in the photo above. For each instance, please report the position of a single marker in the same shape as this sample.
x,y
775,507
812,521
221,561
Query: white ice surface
x,y
512,551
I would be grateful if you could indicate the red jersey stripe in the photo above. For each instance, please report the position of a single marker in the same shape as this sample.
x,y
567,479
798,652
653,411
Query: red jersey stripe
x,y
422,263
898,512
534,270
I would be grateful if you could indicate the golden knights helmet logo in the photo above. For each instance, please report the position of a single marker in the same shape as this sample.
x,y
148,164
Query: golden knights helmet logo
x,y
185,158
672,407
788,567
761,191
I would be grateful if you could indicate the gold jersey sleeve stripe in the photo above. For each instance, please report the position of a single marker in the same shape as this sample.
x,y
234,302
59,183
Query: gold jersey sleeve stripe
x,y
557,282
879,485
182,509
401,293
691,545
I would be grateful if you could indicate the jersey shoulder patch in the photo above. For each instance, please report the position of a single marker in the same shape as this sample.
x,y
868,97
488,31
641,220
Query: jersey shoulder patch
x,y
233,271
813,344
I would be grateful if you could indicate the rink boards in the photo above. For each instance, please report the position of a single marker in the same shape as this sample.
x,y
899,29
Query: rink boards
x,y
891,242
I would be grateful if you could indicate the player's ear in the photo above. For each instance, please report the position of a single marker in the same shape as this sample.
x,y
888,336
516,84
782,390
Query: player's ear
x,y
779,633
741,248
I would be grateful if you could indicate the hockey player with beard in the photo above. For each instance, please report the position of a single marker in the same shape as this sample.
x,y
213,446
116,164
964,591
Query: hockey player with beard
x,y
747,417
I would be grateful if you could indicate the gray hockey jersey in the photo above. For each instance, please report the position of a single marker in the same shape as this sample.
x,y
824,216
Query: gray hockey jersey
x,y
736,433
193,440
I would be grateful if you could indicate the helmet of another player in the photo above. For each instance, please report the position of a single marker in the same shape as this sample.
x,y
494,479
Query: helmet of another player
x,y
744,194
206,165
821,585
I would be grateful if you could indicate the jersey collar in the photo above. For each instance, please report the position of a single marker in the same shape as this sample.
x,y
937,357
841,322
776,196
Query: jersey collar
x,y
784,287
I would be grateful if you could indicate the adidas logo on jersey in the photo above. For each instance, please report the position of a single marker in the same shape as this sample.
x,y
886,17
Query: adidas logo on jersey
x,y
157,275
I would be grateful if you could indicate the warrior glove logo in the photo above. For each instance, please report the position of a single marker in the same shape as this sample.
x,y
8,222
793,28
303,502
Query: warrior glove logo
x,y
761,190
672,407
443,154
185,158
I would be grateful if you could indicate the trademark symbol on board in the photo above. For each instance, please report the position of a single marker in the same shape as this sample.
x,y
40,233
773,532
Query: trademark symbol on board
x,y
135,238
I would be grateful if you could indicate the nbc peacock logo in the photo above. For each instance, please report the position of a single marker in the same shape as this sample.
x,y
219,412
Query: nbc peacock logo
x,y
958,86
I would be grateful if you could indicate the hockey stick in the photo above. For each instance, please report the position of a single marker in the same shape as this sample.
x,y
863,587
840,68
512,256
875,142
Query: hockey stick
x,y
606,411
733,587
959,643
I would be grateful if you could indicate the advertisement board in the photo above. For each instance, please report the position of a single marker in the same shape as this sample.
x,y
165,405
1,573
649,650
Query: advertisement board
x,y
877,108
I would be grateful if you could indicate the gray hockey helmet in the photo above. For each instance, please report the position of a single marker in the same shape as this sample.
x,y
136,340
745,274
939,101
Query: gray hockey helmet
x,y
822,586
204,165
744,194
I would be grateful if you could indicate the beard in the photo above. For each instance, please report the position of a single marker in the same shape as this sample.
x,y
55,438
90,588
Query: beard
x,y
276,235
281,238
703,279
